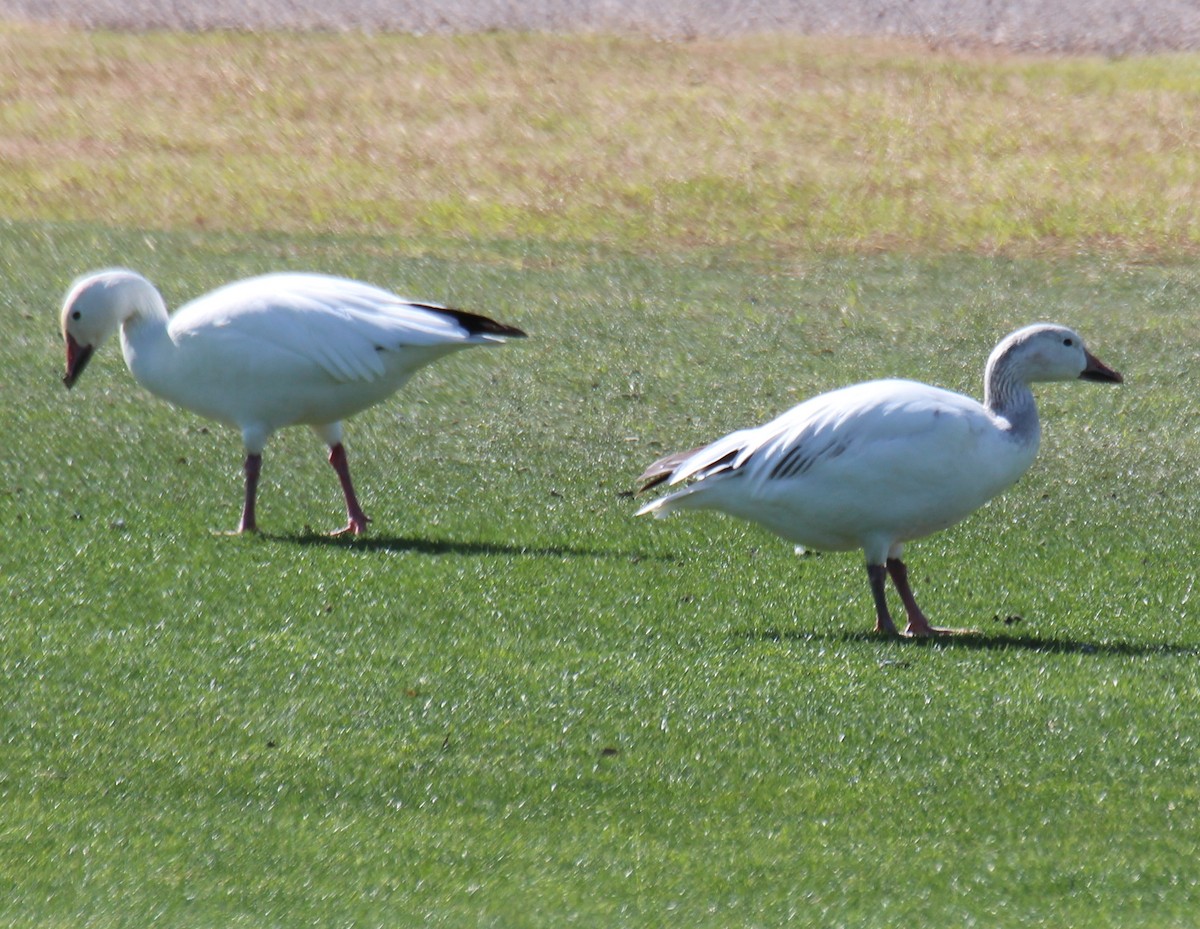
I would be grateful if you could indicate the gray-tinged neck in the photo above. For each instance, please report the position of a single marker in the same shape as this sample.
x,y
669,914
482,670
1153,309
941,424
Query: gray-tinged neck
x,y
1008,398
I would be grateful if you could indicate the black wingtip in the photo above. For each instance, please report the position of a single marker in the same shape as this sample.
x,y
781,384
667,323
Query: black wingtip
x,y
474,323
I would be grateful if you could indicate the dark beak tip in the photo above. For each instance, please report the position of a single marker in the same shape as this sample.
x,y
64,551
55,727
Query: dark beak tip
x,y
1097,370
78,357
1106,376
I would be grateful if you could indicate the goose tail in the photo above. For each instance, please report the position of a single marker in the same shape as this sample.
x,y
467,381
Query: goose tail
x,y
682,499
661,470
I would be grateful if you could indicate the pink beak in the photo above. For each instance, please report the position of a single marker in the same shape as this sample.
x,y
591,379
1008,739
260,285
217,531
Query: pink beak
x,y
1097,370
77,358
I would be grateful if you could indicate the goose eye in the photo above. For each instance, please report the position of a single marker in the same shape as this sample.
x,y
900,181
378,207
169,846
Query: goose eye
x,y
77,315
1068,341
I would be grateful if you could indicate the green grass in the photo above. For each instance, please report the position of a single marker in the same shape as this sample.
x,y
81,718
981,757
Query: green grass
x,y
512,704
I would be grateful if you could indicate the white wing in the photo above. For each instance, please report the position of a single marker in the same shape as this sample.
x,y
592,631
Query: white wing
x,y
344,327
882,420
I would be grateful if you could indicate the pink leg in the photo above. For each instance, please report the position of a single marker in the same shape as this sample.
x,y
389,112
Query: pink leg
x,y
357,518
918,625
252,467
877,574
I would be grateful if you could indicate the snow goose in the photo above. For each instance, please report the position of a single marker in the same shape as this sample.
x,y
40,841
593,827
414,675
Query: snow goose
x,y
268,352
877,464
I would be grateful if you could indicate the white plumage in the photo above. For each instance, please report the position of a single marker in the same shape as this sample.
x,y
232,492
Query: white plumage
x,y
268,352
878,464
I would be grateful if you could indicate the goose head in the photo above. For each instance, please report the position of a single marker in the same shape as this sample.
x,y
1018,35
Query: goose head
x,y
96,306
1047,352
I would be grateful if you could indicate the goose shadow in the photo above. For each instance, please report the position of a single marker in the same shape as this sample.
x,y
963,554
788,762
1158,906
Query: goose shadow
x,y
983,641
423,546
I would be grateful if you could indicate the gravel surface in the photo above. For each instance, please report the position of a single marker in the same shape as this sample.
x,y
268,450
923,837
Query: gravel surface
x,y
1107,26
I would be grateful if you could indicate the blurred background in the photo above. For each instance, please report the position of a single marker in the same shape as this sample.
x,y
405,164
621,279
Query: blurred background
x,y
1113,27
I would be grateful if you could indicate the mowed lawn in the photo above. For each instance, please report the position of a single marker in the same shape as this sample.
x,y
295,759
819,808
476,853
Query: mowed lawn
x,y
511,703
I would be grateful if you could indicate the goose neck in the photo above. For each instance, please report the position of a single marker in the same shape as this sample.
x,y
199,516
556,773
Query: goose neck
x,y
145,341
1009,399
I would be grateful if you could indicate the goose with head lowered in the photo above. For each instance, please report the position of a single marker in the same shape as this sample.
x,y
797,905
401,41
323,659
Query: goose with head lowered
x,y
875,465
272,351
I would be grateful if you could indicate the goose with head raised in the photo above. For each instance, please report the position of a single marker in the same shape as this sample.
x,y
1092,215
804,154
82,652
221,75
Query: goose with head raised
x,y
268,352
878,464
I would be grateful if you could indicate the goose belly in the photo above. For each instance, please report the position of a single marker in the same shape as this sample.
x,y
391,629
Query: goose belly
x,y
315,405
242,396
852,509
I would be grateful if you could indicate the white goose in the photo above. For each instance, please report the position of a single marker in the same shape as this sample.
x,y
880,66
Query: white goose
x,y
875,465
268,352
